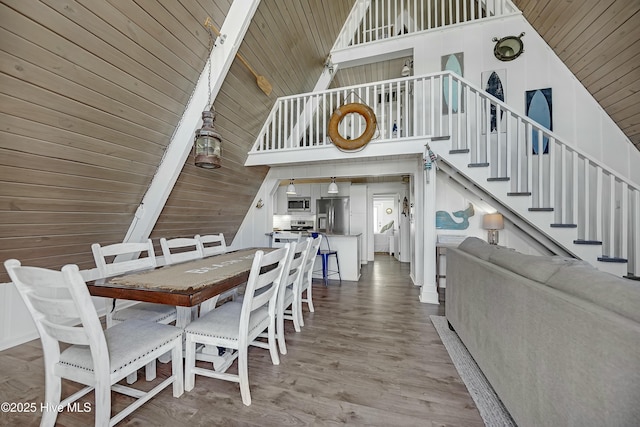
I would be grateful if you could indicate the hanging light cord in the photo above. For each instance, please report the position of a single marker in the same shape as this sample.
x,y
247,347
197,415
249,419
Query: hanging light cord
x,y
209,62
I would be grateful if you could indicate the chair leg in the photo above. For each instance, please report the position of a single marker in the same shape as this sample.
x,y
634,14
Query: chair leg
x,y
300,319
271,338
53,385
132,377
177,369
338,266
150,371
189,364
295,312
310,299
280,327
243,375
325,269
102,407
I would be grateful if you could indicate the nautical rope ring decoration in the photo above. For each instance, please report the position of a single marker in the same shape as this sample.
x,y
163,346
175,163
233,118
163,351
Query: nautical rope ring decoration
x,y
340,113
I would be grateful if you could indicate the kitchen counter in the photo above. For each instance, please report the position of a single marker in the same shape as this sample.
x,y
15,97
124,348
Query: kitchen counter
x,y
349,256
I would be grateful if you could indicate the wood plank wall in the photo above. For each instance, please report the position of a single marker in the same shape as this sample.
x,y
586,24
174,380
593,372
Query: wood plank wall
x,y
90,94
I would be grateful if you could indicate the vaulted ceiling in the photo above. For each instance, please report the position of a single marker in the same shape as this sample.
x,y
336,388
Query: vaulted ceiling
x,y
91,92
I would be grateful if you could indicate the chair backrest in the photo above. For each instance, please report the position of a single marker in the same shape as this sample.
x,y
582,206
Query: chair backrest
x,y
265,277
293,269
324,242
56,300
180,249
307,270
212,244
108,265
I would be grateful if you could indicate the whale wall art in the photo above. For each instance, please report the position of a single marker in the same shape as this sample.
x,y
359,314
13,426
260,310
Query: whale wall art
x,y
539,107
445,221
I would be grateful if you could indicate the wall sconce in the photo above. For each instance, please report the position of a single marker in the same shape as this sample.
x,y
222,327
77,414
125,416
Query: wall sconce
x,y
406,70
333,187
207,143
291,189
493,222
259,205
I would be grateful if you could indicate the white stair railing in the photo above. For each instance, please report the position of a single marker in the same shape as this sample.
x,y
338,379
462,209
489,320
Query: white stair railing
x,y
373,20
582,192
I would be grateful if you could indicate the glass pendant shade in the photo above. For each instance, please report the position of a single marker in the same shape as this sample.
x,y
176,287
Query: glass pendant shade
x,y
333,187
291,189
208,143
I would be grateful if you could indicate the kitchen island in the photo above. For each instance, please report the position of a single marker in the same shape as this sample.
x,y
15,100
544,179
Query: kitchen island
x,y
349,256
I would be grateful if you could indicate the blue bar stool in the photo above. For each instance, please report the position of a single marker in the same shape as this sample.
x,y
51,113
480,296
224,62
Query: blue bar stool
x,y
325,254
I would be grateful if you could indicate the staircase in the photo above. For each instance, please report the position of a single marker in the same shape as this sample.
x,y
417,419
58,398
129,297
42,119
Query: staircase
x,y
584,207
549,186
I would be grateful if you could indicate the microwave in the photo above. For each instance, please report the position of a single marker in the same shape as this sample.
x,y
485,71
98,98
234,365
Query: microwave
x,y
299,204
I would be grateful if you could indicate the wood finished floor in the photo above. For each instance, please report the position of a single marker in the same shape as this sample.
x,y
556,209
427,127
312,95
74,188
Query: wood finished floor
x,y
368,356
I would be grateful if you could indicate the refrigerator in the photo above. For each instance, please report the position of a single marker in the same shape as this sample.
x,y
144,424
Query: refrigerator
x,y
332,215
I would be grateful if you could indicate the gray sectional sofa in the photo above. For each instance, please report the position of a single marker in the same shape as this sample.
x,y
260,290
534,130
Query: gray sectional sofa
x,y
558,340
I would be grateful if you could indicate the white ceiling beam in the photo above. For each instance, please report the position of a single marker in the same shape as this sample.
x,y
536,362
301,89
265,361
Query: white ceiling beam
x,y
221,57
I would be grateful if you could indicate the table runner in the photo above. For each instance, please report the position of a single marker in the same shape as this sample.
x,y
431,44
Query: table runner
x,y
192,274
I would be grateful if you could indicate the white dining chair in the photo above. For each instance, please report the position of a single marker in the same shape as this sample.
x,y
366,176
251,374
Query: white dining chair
x,y
61,307
288,293
307,278
134,257
106,259
237,325
180,249
212,244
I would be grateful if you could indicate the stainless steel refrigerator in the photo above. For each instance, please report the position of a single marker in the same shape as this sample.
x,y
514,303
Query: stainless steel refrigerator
x,y
332,215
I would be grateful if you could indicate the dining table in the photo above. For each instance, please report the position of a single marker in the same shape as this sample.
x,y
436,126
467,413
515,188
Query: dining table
x,y
186,286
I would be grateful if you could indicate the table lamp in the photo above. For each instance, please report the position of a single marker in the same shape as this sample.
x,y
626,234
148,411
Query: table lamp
x,y
493,222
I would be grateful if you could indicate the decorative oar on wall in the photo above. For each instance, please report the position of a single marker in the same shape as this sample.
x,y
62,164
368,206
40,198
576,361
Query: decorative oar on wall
x,y
262,81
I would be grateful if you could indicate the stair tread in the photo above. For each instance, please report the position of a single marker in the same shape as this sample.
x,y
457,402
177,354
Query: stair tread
x,y
612,259
587,242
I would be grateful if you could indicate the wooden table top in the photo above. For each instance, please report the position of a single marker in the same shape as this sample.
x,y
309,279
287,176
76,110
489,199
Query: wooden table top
x,y
186,284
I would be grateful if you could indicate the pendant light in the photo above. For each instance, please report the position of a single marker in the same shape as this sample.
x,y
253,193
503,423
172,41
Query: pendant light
x,y
333,187
291,189
208,143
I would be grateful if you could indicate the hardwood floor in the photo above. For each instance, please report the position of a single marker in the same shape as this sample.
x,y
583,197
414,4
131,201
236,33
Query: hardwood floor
x,y
368,356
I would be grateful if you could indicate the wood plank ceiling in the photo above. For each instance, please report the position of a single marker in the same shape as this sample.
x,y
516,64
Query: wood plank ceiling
x,y
599,41
91,91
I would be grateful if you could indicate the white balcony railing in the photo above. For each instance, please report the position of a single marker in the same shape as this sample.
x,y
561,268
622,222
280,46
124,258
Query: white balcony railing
x,y
603,205
372,20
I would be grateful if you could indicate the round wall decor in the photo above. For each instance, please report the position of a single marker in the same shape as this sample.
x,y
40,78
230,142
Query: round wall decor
x,y
508,48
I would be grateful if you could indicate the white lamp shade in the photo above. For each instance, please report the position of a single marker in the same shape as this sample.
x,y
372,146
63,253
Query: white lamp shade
x,y
493,221
333,188
291,189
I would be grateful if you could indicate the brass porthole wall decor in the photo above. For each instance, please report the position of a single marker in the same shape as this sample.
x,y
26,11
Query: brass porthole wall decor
x,y
340,113
508,48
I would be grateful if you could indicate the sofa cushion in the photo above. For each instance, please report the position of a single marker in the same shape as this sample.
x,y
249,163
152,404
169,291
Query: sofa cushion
x,y
534,267
619,295
478,247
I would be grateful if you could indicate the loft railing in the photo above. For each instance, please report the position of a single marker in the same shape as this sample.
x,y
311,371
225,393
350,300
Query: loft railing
x,y
372,20
604,206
